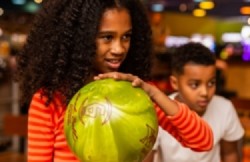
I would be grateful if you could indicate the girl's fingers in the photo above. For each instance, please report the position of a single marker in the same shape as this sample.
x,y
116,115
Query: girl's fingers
x,y
116,76
137,82
106,75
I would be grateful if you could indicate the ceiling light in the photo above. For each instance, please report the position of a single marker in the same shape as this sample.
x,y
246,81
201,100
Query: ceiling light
x,y
231,37
38,1
198,0
31,7
183,7
18,2
1,11
248,21
207,5
245,10
157,7
1,31
199,12
245,32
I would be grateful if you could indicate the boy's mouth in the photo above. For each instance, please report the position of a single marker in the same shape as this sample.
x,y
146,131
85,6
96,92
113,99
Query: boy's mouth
x,y
203,104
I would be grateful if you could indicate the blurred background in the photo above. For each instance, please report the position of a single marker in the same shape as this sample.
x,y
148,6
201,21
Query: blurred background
x,y
221,25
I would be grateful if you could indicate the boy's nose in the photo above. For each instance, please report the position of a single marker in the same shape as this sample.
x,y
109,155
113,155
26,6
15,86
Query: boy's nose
x,y
204,91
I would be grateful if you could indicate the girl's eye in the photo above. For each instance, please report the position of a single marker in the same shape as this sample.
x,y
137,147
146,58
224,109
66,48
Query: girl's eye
x,y
107,38
126,37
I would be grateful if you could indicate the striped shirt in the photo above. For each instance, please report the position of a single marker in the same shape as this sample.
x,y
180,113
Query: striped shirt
x,y
47,143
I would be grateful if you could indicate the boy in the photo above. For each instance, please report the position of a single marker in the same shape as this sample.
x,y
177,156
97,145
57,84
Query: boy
x,y
194,79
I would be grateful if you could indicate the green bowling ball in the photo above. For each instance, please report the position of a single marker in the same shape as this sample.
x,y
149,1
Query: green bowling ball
x,y
110,121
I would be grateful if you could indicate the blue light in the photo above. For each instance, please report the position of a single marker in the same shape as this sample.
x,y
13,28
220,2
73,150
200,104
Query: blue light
x,y
31,7
18,2
157,7
198,1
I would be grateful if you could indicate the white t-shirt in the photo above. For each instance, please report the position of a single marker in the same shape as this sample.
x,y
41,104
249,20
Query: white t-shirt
x,y
222,118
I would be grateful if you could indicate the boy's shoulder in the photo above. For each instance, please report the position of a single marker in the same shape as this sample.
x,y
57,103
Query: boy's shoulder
x,y
220,105
216,99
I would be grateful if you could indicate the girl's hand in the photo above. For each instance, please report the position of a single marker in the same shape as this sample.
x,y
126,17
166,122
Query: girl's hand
x,y
136,81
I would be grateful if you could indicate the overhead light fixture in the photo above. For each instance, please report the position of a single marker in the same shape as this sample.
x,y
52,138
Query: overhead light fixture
x,y
31,7
248,21
1,31
199,12
183,7
231,37
245,32
172,41
1,11
198,1
38,1
18,2
157,7
207,5
245,10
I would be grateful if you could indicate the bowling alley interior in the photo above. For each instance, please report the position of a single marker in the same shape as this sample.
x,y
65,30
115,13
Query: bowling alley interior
x,y
223,26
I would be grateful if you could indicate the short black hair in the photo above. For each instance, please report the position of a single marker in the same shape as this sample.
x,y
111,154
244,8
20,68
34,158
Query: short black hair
x,y
191,52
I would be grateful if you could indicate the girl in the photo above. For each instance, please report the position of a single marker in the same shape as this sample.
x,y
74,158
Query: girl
x,y
74,42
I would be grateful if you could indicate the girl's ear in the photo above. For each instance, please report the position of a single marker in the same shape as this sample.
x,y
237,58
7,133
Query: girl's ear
x,y
174,82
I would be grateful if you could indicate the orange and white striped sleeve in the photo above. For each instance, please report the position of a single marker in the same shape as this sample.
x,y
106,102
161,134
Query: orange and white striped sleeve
x,y
187,127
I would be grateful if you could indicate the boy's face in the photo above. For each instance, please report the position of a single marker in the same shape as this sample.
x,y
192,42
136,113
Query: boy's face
x,y
113,40
196,86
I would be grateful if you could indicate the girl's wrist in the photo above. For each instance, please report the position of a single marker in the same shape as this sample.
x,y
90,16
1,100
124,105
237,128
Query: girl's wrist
x,y
152,91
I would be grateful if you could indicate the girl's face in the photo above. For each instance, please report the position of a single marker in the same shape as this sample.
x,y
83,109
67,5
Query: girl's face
x,y
113,40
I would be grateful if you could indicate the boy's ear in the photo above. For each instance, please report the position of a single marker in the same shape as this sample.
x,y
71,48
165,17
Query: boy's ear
x,y
174,82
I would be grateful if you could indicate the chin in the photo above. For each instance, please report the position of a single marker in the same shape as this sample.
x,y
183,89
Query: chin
x,y
106,70
201,110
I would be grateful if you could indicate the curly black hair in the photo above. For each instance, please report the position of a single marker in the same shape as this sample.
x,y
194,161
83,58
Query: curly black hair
x,y
60,47
191,52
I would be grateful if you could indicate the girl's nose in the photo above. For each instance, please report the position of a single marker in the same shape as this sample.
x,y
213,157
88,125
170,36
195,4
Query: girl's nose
x,y
117,48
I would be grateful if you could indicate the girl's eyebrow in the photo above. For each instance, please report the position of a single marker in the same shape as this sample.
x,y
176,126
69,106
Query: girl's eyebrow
x,y
129,31
112,32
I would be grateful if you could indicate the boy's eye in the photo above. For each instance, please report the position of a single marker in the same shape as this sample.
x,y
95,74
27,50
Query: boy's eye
x,y
211,83
193,85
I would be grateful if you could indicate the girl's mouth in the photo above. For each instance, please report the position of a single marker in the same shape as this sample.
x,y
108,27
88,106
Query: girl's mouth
x,y
113,63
